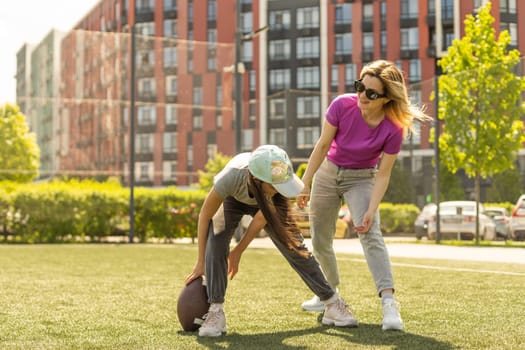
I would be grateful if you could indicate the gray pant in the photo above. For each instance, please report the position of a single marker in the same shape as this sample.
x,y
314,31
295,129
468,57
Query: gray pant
x,y
331,186
218,248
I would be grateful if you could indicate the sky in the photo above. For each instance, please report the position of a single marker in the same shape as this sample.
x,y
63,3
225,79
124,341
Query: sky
x,y
29,21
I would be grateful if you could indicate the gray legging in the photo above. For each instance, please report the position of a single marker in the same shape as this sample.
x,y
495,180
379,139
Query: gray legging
x,y
218,248
331,185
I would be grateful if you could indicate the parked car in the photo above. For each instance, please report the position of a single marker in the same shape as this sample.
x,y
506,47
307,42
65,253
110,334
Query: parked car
x,y
500,217
458,221
517,220
421,223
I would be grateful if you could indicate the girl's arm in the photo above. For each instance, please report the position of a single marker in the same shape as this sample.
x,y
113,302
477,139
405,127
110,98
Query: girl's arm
x,y
209,208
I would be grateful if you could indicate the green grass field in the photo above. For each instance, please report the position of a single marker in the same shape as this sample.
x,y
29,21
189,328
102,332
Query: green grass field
x,y
124,297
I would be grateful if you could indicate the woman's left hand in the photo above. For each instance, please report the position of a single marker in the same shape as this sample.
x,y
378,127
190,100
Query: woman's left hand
x,y
365,224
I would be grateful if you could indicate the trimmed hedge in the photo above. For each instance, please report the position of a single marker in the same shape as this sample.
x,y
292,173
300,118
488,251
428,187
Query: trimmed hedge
x,y
86,210
78,211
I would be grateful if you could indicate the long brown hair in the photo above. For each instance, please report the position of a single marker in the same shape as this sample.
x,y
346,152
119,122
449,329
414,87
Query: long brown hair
x,y
279,217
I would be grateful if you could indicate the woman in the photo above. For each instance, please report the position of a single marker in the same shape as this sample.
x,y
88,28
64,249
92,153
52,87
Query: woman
x,y
255,184
352,161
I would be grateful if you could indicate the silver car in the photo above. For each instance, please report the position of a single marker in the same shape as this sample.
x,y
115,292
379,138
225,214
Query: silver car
x,y
517,220
458,221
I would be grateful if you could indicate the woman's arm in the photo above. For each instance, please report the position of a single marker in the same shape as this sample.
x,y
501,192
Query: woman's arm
x,y
209,208
316,158
380,187
257,224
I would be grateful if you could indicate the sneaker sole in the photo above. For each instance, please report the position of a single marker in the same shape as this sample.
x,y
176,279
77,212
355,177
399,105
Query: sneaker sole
x,y
319,308
392,327
209,334
330,322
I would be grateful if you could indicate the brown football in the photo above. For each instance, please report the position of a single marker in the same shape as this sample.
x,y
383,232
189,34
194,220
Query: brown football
x,y
192,305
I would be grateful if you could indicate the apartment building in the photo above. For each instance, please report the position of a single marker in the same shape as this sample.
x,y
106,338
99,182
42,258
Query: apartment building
x,y
293,57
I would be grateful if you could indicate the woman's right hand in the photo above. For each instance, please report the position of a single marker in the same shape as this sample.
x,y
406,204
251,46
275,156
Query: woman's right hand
x,y
198,271
303,197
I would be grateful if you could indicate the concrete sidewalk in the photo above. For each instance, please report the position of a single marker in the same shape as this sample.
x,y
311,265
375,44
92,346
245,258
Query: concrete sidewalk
x,y
424,251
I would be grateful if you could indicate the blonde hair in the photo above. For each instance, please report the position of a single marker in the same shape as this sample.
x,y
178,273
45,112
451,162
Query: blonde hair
x,y
399,109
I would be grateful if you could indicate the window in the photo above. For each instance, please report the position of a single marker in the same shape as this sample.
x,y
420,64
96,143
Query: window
x,y
144,171
144,143
169,172
507,6
247,22
409,9
170,28
414,70
308,47
308,107
280,49
145,58
350,73
171,114
197,121
308,77
146,28
278,137
279,79
169,142
334,79
383,40
409,38
280,20
512,28
171,85
147,115
197,96
218,94
307,136
146,87
212,10
247,140
253,110
212,38
277,108
189,154
253,80
170,57
368,12
343,13
308,17
368,42
247,51
170,5
144,5
343,44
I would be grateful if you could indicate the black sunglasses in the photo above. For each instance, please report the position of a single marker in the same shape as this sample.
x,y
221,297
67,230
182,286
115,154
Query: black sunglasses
x,y
371,94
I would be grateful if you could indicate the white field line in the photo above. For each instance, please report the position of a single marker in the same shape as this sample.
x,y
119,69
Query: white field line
x,y
443,268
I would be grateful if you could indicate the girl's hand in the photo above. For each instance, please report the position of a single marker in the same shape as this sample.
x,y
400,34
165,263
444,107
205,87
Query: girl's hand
x,y
198,271
233,262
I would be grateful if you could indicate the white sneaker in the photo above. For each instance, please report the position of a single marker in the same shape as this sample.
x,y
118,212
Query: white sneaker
x,y
214,324
314,304
391,317
337,314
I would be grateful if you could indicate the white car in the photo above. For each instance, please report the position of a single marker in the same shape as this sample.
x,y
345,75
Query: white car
x,y
458,221
517,220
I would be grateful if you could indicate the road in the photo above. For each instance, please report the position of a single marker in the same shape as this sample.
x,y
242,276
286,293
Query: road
x,y
397,248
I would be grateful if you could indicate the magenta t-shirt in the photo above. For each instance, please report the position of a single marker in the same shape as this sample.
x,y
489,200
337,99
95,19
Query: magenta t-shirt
x,y
355,144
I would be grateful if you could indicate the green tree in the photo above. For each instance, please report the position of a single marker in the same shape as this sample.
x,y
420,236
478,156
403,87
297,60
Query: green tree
x,y
506,187
19,152
480,102
450,187
212,168
400,188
